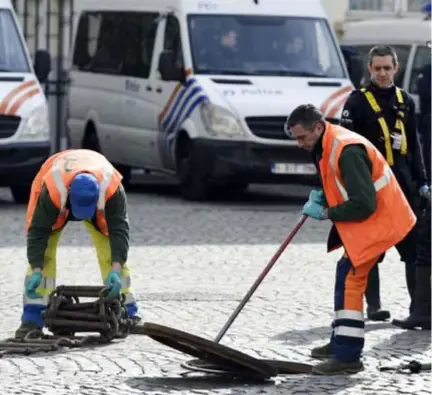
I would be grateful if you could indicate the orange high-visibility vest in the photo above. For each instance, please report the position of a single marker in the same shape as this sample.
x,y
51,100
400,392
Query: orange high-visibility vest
x,y
393,218
58,172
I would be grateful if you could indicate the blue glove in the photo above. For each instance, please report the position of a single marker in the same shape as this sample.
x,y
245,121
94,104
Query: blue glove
x,y
32,284
113,283
317,196
314,210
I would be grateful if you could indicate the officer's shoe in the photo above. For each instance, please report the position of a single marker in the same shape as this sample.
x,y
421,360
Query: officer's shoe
x,y
334,366
377,314
25,329
322,352
413,322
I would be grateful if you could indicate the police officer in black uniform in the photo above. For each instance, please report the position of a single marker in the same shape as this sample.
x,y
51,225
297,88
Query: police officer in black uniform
x,y
424,92
421,316
385,115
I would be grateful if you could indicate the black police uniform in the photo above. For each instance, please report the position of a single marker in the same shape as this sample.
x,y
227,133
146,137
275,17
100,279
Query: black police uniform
x,y
386,117
424,92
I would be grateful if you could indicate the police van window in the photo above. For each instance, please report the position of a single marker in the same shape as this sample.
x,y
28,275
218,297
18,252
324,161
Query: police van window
x,y
98,48
263,45
172,39
138,37
421,59
402,52
13,57
86,40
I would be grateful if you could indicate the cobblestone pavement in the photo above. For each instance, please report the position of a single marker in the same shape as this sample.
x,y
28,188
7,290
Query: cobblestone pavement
x,y
192,264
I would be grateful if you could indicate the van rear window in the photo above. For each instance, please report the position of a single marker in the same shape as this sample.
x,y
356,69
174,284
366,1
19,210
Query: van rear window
x,y
264,45
13,57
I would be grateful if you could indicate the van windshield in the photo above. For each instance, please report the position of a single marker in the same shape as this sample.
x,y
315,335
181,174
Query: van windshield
x,y
263,46
12,54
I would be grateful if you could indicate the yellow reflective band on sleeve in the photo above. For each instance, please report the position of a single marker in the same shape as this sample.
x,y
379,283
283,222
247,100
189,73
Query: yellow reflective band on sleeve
x,y
384,127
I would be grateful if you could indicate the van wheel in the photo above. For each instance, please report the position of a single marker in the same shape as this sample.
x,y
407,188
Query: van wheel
x,y
21,193
91,140
192,185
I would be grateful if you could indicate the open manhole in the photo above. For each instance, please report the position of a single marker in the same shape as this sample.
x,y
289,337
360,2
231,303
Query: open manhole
x,y
215,358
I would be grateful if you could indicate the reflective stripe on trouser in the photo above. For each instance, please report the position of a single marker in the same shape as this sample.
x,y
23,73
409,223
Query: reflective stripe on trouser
x,y
347,340
33,308
103,251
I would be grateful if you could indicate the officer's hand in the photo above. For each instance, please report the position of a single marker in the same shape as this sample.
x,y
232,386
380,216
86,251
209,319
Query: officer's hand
x,y
32,284
424,191
314,210
317,196
113,283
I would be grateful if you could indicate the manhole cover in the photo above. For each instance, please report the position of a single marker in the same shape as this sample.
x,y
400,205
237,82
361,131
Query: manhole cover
x,y
210,352
283,367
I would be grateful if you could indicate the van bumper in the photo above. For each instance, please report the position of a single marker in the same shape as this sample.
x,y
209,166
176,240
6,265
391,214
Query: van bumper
x,y
245,161
20,162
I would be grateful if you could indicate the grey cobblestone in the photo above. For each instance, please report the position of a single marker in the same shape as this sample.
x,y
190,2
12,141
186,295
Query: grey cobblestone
x,y
191,265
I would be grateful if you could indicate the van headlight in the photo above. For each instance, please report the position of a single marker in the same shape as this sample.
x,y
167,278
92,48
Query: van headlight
x,y
220,122
35,126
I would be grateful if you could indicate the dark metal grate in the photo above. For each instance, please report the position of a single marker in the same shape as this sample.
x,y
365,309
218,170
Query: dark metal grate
x,y
8,125
272,127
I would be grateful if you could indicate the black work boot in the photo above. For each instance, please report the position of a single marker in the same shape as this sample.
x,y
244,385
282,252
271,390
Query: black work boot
x,y
322,352
420,317
373,299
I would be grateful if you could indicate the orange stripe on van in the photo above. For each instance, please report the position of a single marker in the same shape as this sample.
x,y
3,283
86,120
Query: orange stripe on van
x,y
170,100
324,107
188,72
16,106
13,93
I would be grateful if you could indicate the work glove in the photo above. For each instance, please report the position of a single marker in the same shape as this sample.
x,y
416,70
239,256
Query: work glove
x,y
32,284
314,210
113,283
317,196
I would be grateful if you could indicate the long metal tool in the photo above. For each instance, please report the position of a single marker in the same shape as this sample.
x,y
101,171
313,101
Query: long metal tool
x,y
261,277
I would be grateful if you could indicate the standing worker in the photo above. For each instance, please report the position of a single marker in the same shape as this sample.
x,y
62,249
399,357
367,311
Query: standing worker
x,y
385,115
360,196
75,185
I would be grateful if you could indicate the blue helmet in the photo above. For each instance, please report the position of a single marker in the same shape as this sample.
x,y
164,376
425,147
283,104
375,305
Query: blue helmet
x,y
83,196
427,8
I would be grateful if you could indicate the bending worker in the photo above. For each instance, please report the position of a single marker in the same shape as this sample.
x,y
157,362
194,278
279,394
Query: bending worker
x,y
385,115
360,196
75,185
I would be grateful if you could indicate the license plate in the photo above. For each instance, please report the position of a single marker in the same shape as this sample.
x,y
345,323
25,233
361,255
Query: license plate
x,y
293,168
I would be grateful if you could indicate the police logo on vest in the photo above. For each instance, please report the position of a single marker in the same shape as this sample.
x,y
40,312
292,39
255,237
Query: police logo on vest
x,y
397,141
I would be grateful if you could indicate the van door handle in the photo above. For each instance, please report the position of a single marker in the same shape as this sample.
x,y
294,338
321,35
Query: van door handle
x,y
159,90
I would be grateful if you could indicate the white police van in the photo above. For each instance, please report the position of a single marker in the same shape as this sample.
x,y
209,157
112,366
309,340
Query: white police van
x,y
24,126
200,89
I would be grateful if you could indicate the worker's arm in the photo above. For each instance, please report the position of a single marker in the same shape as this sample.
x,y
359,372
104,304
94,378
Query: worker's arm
x,y
356,172
118,227
418,171
351,117
44,217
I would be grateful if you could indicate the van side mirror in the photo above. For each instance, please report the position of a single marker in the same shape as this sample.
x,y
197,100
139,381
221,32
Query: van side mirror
x,y
42,65
168,69
354,64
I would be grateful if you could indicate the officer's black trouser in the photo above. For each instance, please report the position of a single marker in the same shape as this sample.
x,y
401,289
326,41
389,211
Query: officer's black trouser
x,y
407,252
